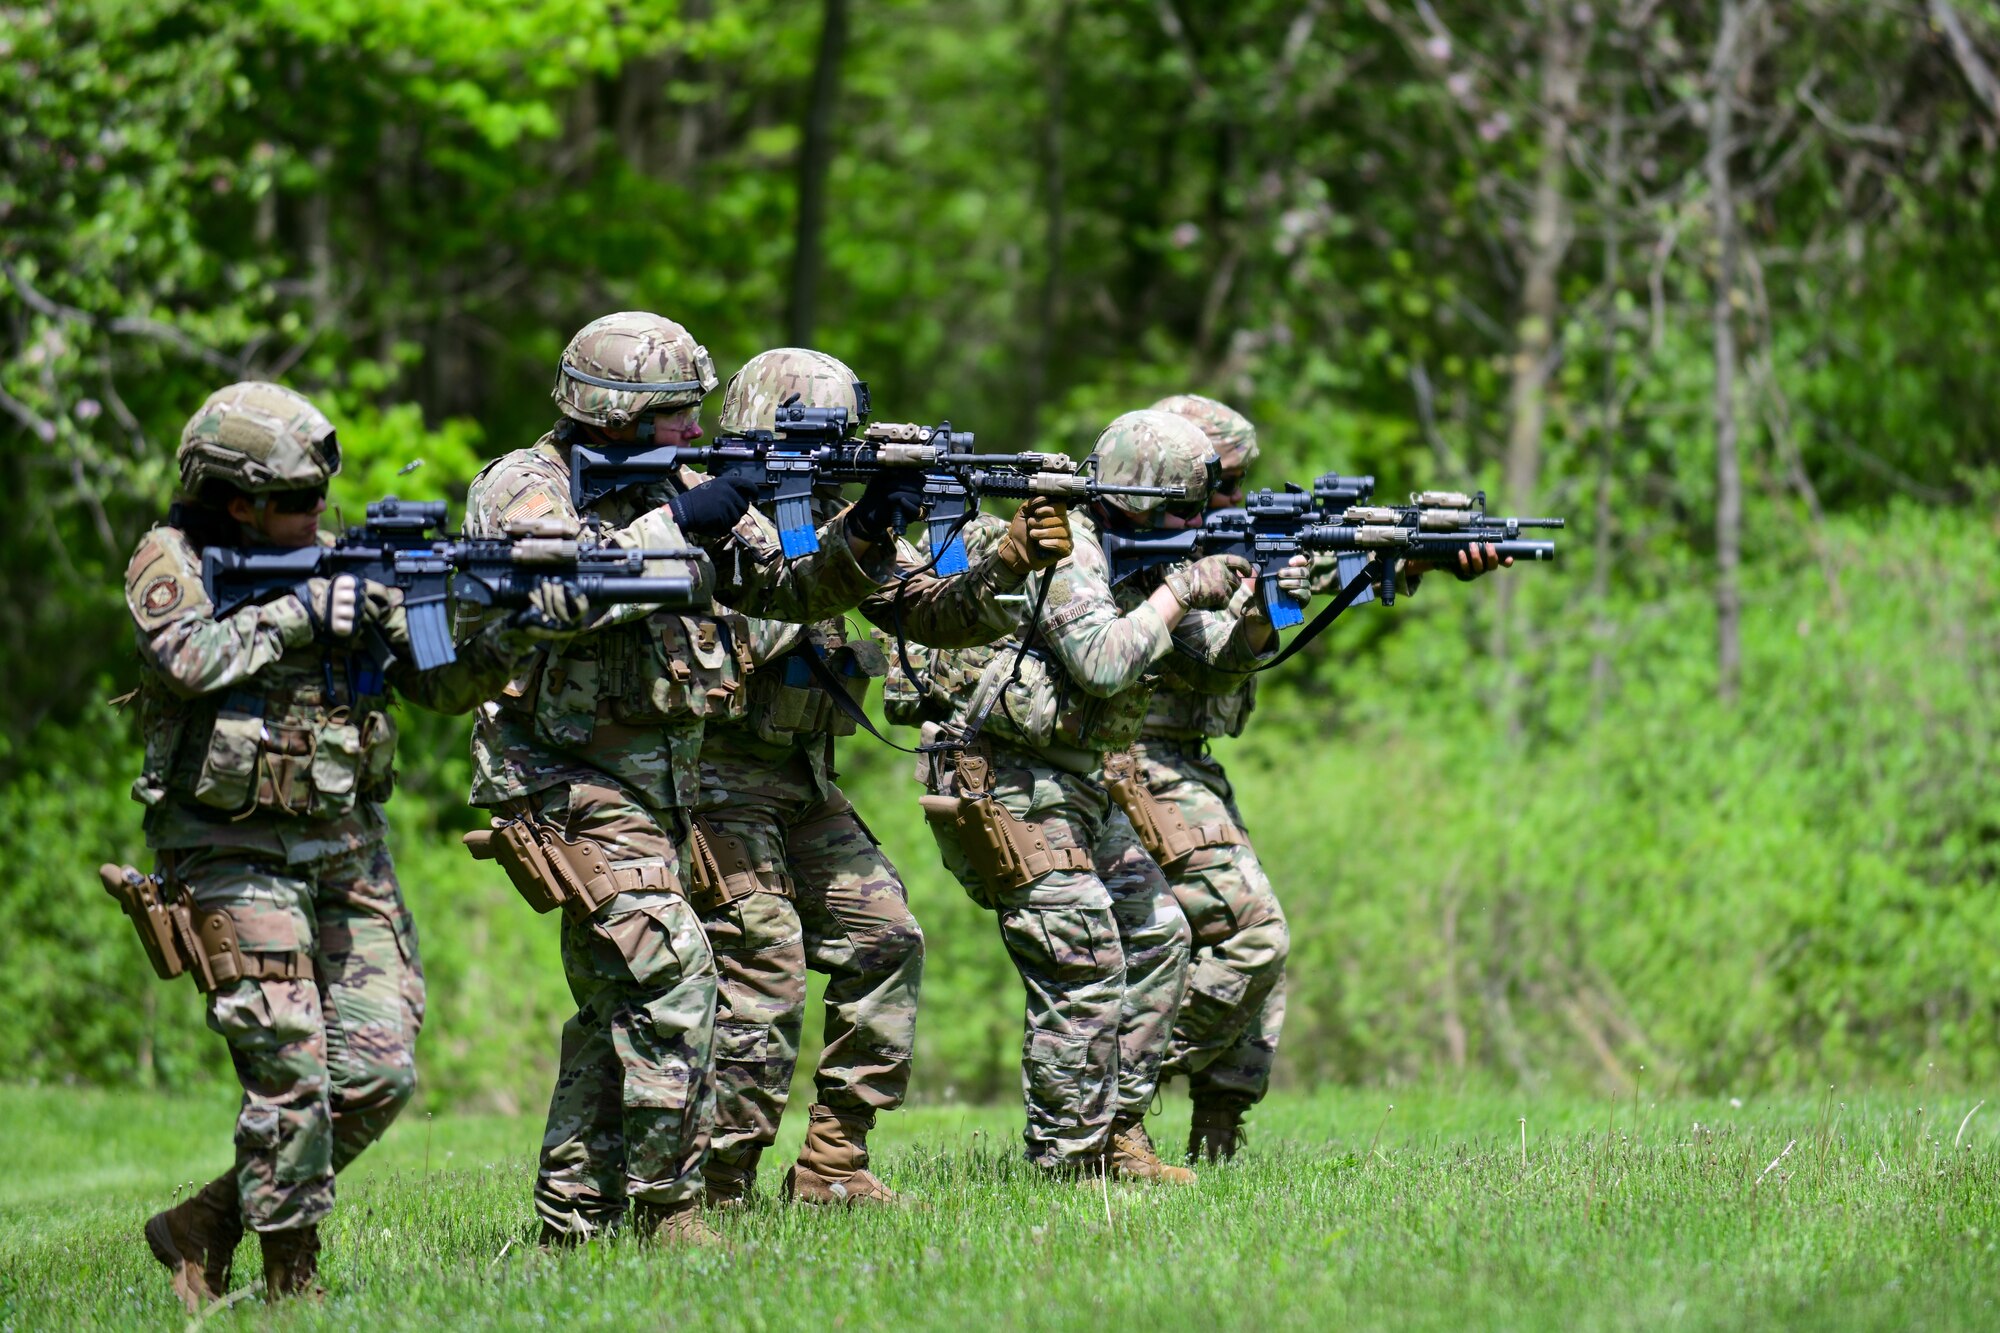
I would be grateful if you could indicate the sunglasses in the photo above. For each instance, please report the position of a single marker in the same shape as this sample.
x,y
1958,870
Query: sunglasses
x,y
303,500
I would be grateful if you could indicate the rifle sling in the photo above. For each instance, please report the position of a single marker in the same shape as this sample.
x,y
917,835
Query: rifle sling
x,y
1355,587
823,677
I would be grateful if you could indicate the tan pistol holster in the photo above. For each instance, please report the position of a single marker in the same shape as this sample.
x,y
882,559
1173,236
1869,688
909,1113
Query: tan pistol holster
x,y
724,869
1005,851
180,935
1163,831
550,871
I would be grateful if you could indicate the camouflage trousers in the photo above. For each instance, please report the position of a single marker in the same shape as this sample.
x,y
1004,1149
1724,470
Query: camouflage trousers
x,y
1226,1037
326,1062
1102,955
629,1118
825,898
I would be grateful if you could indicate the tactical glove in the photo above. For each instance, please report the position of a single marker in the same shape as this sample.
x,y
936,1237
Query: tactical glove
x,y
712,508
892,501
1038,537
1210,583
333,605
554,609
1300,579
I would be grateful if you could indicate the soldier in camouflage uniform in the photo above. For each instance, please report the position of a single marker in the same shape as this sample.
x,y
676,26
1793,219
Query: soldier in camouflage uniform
x,y
1034,827
269,752
1225,1038
592,754
791,877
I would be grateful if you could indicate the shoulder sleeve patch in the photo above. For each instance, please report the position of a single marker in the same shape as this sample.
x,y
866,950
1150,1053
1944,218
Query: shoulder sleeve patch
x,y
162,595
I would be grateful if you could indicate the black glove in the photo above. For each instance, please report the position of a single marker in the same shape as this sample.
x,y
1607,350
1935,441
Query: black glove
x,y
712,508
894,498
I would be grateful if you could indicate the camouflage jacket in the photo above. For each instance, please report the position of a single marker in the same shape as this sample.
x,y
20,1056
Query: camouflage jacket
x,y
257,736
628,698
1094,656
788,719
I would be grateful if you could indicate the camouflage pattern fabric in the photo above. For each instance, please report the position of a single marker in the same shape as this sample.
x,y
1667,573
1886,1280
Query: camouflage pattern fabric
x,y
607,702
328,1062
767,780
304,728
1099,655
1225,1038
847,915
602,734
257,437
1229,432
1102,956
629,1117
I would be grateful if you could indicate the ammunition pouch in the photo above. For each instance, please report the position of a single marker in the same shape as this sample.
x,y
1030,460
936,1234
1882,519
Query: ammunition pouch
x,y
1005,851
1163,831
180,935
724,870
550,871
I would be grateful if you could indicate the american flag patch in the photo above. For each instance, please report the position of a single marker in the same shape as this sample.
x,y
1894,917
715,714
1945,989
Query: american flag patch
x,y
532,505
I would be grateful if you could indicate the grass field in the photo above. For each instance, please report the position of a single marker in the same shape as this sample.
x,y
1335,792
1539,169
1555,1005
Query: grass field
x,y
1447,1212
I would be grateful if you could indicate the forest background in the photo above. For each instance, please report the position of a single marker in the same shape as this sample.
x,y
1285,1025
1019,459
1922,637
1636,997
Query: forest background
x,y
1711,804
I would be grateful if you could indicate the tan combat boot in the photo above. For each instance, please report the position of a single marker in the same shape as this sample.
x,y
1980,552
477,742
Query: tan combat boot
x,y
1131,1155
674,1224
196,1239
833,1164
1214,1133
728,1185
291,1263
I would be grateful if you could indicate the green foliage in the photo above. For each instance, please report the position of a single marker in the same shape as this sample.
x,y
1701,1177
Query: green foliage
x,y
1561,861
1449,1211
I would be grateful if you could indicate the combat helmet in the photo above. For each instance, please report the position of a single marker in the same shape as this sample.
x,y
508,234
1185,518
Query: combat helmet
x,y
257,437
1153,448
1229,431
750,403
625,366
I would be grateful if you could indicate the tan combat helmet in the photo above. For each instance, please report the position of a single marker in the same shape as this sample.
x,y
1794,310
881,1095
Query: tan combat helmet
x,y
625,366
257,437
1152,448
750,403
1229,431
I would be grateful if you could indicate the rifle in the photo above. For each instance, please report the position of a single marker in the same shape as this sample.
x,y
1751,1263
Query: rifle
x,y
812,446
402,544
1273,526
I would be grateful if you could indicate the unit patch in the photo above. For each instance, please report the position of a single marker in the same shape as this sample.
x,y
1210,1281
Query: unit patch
x,y
162,595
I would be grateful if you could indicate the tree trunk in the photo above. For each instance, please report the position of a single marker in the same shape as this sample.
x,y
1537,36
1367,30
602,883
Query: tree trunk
x,y
1611,416
1048,313
1728,470
1548,242
815,156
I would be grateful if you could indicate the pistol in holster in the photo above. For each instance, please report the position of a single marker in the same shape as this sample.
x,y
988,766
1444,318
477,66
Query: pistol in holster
x,y
1162,830
182,936
551,871
1004,850
723,869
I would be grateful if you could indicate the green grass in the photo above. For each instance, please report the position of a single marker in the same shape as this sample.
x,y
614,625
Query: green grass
x,y
1343,1213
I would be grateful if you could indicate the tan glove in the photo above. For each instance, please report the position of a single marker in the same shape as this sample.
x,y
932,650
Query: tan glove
x,y
333,605
1299,579
1038,537
1210,583
554,610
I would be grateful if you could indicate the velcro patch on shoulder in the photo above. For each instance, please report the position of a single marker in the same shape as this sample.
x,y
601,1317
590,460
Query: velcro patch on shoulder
x,y
162,594
534,504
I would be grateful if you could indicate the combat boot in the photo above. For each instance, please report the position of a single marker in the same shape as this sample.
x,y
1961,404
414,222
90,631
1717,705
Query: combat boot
x,y
674,1224
728,1185
833,1163
1214,1133
1131,1155
196,1239
291,1263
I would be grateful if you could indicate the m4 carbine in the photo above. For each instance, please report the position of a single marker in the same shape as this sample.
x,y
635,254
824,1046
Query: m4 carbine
x,y
812,446
402,545
1273,526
